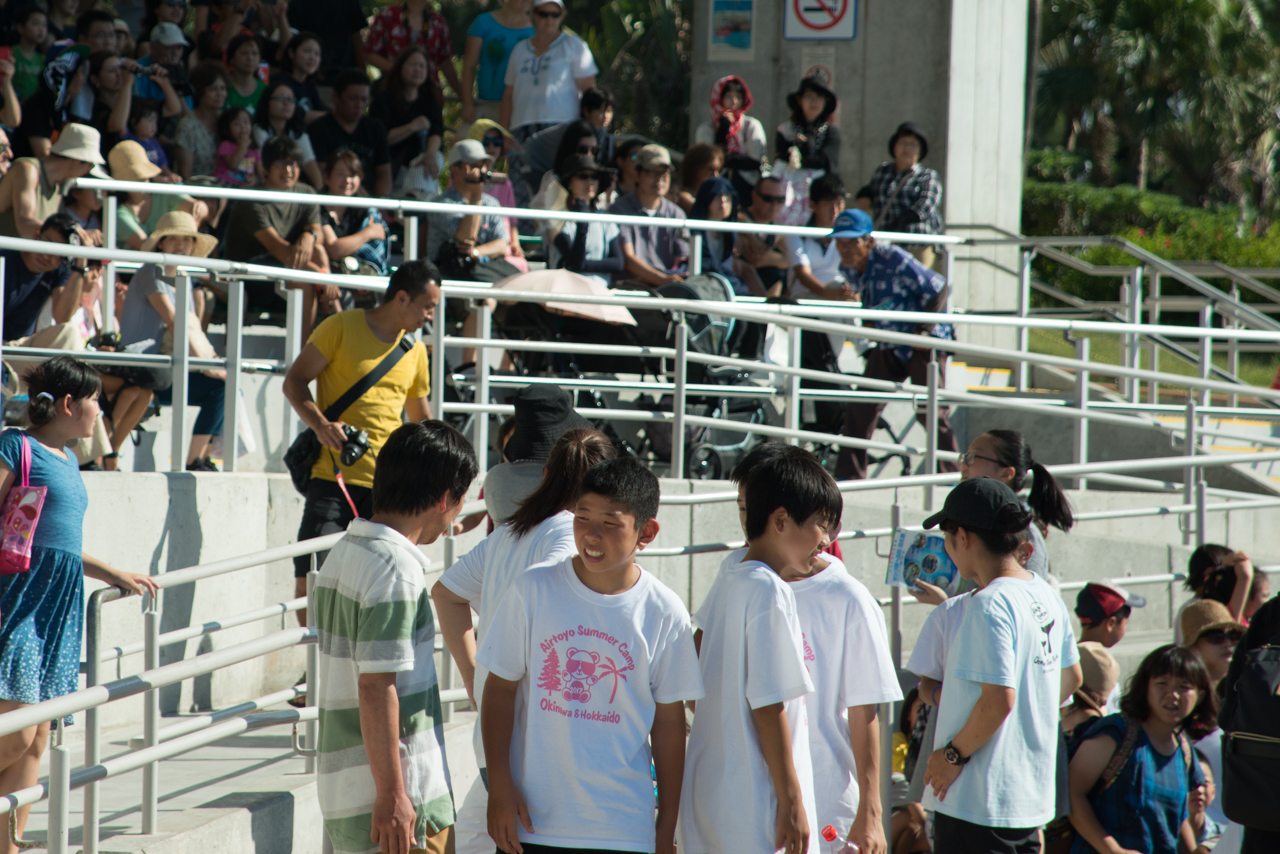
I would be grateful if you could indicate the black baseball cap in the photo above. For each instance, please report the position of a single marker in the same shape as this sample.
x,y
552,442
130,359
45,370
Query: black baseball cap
x,y
982,503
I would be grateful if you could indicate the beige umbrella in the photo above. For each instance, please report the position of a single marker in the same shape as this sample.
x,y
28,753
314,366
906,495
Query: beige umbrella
x,y
568,282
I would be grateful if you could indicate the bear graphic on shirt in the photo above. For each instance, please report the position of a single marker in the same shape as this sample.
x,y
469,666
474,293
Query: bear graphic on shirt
x,y
580,674
571,671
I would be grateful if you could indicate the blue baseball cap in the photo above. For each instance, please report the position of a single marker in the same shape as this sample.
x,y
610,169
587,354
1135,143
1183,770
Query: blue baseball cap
x,y
854,223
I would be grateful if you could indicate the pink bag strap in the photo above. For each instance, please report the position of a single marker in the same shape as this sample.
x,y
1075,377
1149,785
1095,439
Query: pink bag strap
x,y
26,460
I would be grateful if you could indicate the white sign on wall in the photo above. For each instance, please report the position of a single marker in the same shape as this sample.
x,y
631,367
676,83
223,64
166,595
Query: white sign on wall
x,y
829,20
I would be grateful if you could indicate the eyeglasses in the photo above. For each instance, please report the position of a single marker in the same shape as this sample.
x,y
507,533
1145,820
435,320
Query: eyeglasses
x,y
1218,637
771,200
492,142
549,15
587,176
969,457
284,99
588,149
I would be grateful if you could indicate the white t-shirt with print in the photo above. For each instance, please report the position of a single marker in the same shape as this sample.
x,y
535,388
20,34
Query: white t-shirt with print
x,y
545,88
1015,633
846,650
929,657
592,669
752,656
482,576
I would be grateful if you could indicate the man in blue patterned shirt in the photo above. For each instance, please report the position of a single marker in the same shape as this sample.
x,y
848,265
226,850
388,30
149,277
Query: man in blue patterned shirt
x,y
888,278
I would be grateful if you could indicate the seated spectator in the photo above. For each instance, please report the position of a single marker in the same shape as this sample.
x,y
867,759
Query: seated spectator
x,y
399,25
490,39
654,256
231,18
31,279
49,110
281,234
31,26
730,128
278,115
95,30
814,261
808,132
159,12
578,138
111,80
463,247
495,139
1101,675
717,202
592,249
144,124
245,89
624,160
346,127
85,207
904,196
31,190
702,162
61,25
597,107
196,141
338,24
150,315
239,162
357,235
298,69
138,214
545,74
125,45
762,258
168,45
411,115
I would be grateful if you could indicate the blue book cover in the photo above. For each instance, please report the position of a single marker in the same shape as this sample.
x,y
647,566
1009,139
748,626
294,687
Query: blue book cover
x,y
921,556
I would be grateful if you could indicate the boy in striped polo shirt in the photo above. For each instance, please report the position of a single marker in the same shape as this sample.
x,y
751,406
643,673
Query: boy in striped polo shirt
x,y
383,782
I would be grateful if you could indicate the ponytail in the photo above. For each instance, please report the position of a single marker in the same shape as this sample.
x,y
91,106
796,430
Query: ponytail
x,y
574,453
1048,502
53,380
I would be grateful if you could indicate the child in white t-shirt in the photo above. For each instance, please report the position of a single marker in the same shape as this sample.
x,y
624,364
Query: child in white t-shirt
x,y
846,651
590,660
748,783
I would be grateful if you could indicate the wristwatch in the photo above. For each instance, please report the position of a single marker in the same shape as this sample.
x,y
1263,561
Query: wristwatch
x,y
84,271
952,755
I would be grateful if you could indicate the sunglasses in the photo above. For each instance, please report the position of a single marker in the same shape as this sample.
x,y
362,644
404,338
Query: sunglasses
x,y
588,149
1218,637
969,457
549,15
772,200
492,142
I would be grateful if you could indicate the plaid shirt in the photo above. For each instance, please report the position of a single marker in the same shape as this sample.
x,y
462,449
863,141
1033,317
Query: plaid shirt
x,y
894,281
389,34
914,208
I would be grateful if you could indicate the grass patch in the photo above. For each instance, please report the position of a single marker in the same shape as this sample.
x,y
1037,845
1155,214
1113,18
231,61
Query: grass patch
x,y
1255,368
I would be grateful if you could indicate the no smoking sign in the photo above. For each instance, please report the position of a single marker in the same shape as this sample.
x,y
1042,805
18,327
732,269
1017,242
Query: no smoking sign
x,y
820,19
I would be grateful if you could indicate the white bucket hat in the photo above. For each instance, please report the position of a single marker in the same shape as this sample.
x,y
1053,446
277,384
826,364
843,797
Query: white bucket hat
x,y
83,143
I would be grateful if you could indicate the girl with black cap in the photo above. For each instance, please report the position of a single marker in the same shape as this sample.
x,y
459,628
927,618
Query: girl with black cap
x,y
808,133
589,248
904,196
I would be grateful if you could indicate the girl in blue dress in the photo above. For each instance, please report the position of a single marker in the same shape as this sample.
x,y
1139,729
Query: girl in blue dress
x,y
42,610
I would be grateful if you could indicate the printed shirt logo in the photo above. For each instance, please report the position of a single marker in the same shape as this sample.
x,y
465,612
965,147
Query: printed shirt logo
x,y
589,677
1047,656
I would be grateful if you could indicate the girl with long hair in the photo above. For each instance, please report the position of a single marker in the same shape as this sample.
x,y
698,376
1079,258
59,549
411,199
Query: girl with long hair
x,y
408,109
279,114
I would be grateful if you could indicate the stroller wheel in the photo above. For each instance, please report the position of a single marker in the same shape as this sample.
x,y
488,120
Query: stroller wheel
x,y
704,463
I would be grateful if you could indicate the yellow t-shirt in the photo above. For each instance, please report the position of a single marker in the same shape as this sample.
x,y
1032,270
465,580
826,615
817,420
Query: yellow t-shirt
x,y
352,350
900,745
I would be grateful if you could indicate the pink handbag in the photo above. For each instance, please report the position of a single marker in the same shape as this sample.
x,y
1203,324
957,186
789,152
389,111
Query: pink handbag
x,y
19,517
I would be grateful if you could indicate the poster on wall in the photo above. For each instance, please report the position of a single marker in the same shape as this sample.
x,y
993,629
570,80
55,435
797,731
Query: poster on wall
x,y
828,20
731,25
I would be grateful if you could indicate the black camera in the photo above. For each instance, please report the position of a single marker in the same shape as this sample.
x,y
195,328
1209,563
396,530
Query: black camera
x,y
356,446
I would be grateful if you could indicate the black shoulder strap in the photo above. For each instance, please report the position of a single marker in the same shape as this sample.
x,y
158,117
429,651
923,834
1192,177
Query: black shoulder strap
x,y
334,411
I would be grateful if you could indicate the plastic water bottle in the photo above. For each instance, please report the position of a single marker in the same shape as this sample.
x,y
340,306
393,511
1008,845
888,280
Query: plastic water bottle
x,y
834,842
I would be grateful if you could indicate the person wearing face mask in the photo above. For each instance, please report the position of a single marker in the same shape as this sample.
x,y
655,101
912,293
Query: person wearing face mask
x,y
904,196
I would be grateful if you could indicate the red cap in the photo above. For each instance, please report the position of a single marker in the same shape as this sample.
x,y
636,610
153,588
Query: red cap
x,y
829,833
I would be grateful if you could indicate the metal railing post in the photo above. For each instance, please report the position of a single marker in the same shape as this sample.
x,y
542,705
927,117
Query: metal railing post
x,y
678,398
438,322
1135,316
1206,365
1024,309
181,359
235,336
1153,318
1202,520
92,726
695,254
311,729
151,720
108,297
1123,384
931,428
794,345
411,239
1081,449
1233,347
480,434
59,796
1190,472
292,347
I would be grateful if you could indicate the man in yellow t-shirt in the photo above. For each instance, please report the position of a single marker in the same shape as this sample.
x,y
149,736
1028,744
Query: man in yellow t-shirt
x,y
339,353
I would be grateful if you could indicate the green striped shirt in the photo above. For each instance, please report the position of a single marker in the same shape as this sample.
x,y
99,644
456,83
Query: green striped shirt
x,y
373,616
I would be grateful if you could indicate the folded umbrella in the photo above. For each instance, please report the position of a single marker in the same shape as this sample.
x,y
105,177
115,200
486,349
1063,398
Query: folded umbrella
x,y
567,282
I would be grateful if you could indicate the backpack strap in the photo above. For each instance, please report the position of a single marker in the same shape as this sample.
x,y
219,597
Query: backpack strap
x,y
1119,759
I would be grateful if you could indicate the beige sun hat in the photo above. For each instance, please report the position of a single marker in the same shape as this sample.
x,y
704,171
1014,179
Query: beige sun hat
x,y
1204,616
1100,671
129,162
180,224
83,143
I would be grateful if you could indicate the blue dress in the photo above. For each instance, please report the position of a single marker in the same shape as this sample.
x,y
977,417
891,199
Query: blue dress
x,y
42,610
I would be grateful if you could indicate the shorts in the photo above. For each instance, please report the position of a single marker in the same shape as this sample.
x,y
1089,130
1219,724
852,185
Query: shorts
x,y
327,512
956,836
441,843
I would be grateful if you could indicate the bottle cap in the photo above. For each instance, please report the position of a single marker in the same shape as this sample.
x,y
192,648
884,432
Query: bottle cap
x,y
829,833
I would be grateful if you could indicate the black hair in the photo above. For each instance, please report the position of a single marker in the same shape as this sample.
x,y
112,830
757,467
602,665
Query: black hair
x,y
296,124
623,150
795,481
204,75
1010,529
574,131
57,378
412,277
233,47
93,16
758,455
61,222
280,148
1181,663
628,482
1047,499
140,109
298,40
1220,584
1204,563
826,188
420,464
24,14
570,459
99,58
595,98
226,117
904,718
505,430
347,79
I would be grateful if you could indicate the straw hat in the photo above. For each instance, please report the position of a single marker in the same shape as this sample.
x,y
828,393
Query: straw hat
x,y
180,224
83,143
1205,616
1101,672
129,162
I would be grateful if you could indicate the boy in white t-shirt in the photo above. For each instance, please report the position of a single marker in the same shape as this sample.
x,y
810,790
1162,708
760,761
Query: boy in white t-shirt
x,y
846,651
590,661
1012,663
748,785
